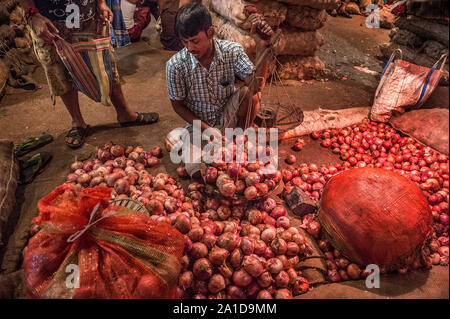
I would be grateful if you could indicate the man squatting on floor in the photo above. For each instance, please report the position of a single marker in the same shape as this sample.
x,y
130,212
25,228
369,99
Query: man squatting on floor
x,y
47,18
201,77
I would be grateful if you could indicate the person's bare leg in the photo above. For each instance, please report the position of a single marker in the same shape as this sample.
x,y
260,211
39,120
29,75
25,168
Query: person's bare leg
x,y
70,100
124,113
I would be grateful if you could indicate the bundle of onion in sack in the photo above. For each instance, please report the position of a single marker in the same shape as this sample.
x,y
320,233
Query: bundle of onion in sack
x,y
375,216
110,251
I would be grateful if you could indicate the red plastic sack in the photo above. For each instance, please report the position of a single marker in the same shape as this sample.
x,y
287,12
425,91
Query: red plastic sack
x,y
124,254
404,85
375,216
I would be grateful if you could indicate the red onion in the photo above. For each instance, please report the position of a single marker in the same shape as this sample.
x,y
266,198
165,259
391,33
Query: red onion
x,y
218,255
275,265
211,175
122,186
228,241
240,186
225,270
268,235
71,178
262,189
202,269
209,240
183,224
199,250
291,159
293,277
247,245
241,278
237,211
283,294
250,193
155,207
216,283
231,227
233,169
278,212
181,171
283,222
196,233
265,279
252,179
353,271
278,246
282,279
219,228
185,280
200,287
236,258
223,212
313,228
443,251
444,219
254,216
252,290
226,185
252,265
333,276
235,292
292,249
260,247
264,294
301,286
443,241
156,151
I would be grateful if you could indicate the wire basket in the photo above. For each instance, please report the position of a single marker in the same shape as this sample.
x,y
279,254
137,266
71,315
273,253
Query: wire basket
x,y
131,204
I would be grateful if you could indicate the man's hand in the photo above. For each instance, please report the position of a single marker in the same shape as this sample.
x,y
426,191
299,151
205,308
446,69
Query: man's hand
x,y
261,32
105,12
43,28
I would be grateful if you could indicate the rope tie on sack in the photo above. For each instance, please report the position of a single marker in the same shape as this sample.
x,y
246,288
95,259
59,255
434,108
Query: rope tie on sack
x,y
92,221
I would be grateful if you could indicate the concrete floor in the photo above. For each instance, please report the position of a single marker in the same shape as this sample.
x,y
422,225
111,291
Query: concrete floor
x,y
141,66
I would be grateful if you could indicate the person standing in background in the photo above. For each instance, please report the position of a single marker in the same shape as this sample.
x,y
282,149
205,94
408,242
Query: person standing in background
x,y
168,10
46,21
137,15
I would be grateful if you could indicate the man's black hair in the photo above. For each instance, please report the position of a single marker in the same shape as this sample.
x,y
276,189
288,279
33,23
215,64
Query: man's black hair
x,y
191,19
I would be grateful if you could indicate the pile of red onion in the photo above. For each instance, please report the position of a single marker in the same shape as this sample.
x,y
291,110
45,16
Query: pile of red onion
x,y
235,251
124,170
377,145
249,180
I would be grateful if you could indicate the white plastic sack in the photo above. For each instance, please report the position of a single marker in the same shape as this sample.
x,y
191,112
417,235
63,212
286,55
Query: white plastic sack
x,y
404,85
322,119
231,10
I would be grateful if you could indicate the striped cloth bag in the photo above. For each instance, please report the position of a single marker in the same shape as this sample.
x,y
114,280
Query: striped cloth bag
x,y
89,65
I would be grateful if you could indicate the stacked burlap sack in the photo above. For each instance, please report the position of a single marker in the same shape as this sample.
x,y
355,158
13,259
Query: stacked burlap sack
x,y
300,40
17,61
422,41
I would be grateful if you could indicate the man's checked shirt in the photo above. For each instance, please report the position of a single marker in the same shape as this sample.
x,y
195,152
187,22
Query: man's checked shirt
x,y
205,92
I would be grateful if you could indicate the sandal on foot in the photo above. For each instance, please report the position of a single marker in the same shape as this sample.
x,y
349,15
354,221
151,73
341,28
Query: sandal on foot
x,y
77,133
31,143
33,166
142,119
